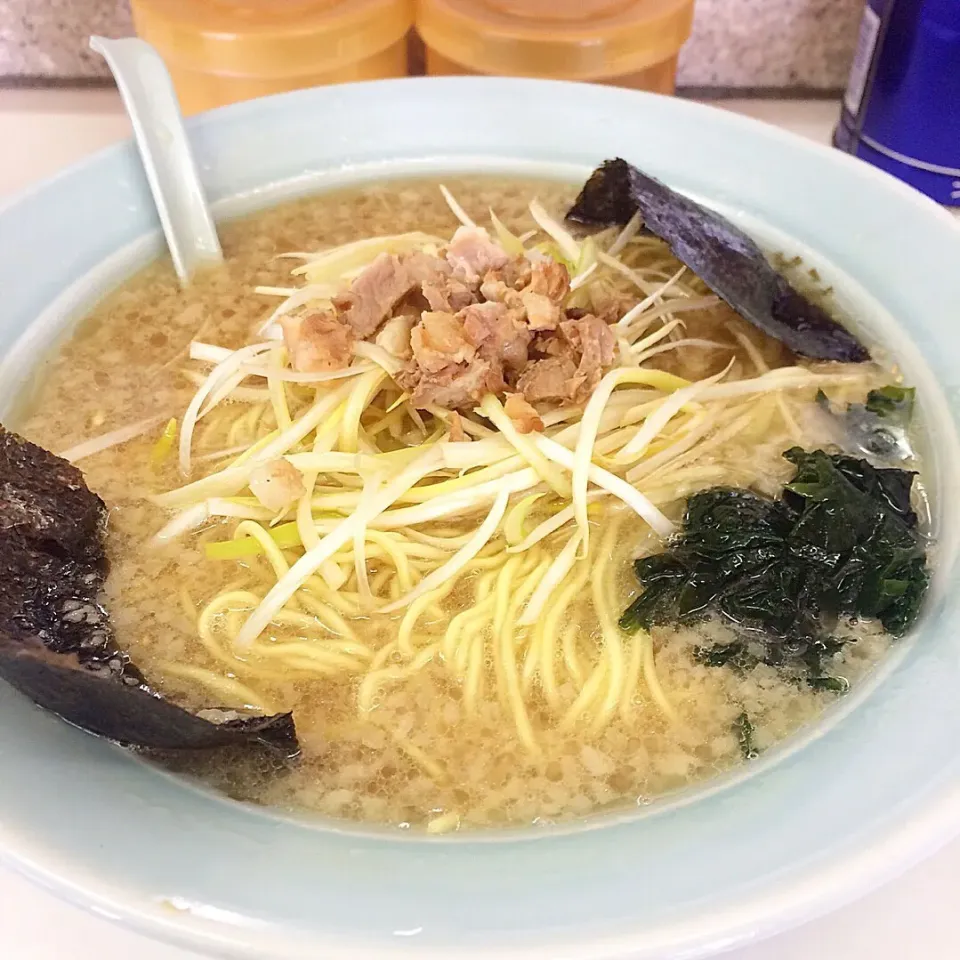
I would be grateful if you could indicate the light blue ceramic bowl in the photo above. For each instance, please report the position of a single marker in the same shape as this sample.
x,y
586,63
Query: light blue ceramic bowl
x,y
823,819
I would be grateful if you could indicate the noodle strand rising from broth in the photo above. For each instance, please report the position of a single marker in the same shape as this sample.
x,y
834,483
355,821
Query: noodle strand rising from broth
x,y
435,592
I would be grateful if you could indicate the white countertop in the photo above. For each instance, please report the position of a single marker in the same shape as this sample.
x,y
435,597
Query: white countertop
x,y
910,919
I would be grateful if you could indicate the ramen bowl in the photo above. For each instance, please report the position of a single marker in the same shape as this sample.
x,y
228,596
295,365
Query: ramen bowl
x,y
821,819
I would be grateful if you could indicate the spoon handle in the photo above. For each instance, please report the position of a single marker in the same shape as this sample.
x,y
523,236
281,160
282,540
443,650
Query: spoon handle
x,y
151,103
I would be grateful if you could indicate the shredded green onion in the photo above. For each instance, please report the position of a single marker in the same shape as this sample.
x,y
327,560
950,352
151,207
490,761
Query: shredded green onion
x,y
286,536
164,445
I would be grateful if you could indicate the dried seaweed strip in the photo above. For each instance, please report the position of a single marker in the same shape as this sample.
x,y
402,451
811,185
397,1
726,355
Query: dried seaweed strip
x,y
56,642
723,256
45,500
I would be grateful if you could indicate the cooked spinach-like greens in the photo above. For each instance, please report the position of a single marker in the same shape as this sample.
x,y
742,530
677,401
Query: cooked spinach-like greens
x,y
841,541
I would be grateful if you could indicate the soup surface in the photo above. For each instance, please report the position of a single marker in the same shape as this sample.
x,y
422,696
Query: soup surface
x,y
462,715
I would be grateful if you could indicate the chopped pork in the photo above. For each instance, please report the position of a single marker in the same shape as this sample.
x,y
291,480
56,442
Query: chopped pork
x,y
317,342
547,379
493,289
457,433
597,346
460,357
462,336
456,385
542,312
513,276
472,253
525,418
447,293
550,279
394,337
439,340
497,334
277,484
516,273
375,293
422,266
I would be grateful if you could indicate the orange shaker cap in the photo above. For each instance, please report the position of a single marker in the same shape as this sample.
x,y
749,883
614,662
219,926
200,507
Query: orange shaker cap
x,y
562,39
271,37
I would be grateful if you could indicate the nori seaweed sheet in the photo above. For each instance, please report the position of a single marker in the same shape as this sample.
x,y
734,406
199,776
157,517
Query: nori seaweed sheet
x,y
56,642
721,254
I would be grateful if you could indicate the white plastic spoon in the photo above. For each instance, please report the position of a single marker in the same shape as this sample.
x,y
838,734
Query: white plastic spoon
x,y
152,106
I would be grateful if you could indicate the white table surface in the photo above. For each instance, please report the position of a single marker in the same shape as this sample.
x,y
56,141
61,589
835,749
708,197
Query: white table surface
x,y
909,919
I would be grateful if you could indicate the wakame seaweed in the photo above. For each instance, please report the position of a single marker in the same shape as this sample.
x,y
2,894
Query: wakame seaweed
x,y
892,403
841,541
721,254
878,427
56,642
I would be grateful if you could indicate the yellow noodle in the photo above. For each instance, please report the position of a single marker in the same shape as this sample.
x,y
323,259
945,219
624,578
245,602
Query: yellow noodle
x,y
506,657
572,660
431,767
631,679
250,528
414,612
592,688
556,611
326,614
651,679
226,691
613,646
451,639
311,651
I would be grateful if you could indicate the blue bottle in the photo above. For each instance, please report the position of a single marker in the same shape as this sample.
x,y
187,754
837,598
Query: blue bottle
x,y
901,111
